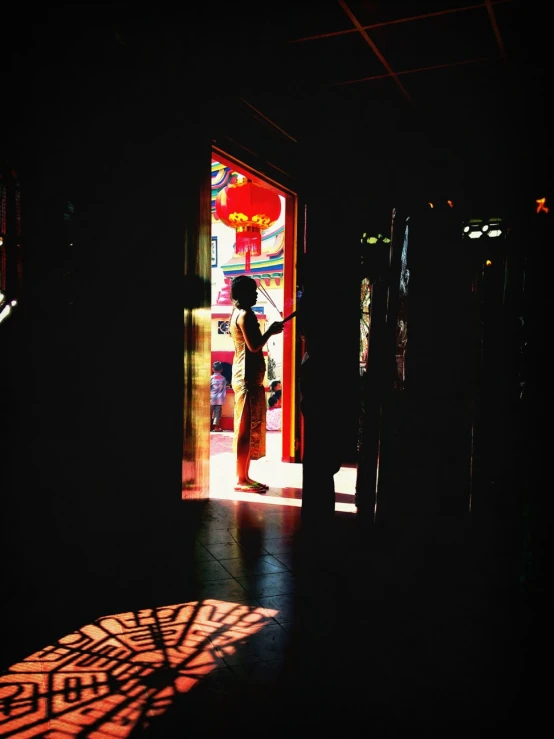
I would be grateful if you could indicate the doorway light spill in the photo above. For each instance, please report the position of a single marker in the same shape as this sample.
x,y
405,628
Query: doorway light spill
x,y
113,677
284,479
275,500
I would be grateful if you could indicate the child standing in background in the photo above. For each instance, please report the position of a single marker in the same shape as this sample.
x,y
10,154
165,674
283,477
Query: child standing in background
x,y
273,415
218,393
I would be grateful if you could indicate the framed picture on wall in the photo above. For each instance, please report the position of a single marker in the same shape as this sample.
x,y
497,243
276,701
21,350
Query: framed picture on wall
x,y
214,251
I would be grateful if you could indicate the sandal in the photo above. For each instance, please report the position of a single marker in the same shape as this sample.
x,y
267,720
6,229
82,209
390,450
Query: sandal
x,y
251,487
258,484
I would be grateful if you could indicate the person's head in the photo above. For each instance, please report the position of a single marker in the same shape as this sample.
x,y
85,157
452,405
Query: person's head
x,y
244,291
217,366
274,401
275,385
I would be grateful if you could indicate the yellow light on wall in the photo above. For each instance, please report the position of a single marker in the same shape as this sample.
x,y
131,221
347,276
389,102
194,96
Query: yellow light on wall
x,y
374,239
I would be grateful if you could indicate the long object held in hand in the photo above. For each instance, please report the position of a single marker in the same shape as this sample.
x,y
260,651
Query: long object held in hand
x,y
267,296
289,317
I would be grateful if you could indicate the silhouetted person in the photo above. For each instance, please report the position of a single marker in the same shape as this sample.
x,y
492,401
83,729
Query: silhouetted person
x,y
249,370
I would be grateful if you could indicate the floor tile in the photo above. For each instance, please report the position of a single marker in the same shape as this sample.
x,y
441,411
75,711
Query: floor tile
x,y
201,553
279,544
269,643
260,672
227,550
214,536
287,559
263,565
265,535
229,590
219,681
260,586
285,605
208,571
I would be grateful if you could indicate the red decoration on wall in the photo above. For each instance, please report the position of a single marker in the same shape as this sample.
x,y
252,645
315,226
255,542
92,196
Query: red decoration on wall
x,y
224,295
249,208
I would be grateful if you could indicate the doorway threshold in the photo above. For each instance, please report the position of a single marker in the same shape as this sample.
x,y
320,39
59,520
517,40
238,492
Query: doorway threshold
x,y
284,478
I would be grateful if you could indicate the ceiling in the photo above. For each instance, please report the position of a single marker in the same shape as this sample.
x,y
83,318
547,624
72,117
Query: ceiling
x,y
386,56
291,57
439,81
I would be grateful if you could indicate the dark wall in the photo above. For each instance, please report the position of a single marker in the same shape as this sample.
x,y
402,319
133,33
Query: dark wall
x,y
110,131
92,388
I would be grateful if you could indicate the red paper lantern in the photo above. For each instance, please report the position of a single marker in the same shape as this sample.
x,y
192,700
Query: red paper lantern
x,y
249,208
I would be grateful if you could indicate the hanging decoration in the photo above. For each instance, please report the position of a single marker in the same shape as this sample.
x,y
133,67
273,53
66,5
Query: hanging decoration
x,y
249,208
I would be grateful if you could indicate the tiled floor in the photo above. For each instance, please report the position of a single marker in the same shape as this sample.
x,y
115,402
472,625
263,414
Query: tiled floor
x,y
275,629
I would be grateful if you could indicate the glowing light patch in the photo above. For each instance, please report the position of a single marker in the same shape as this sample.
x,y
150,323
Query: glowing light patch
x,y
111,678
494,232
475,234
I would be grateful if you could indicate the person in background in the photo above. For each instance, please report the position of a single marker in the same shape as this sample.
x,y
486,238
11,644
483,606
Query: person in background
x,y
249,369
273,416
276,386
218,393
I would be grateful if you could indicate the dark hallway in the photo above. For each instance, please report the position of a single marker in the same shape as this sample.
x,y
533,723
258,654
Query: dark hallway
x,y
133,607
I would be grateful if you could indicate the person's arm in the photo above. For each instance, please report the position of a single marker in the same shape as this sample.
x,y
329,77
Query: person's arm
x,y
250,328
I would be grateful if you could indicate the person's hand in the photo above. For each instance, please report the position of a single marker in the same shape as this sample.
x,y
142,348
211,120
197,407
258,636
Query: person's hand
x,y
276,327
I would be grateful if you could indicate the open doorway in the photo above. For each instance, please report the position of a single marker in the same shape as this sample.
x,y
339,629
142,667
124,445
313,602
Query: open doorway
x,y
274,270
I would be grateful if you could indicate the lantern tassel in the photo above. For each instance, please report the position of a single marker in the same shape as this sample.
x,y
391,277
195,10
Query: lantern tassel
x,y
247,261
